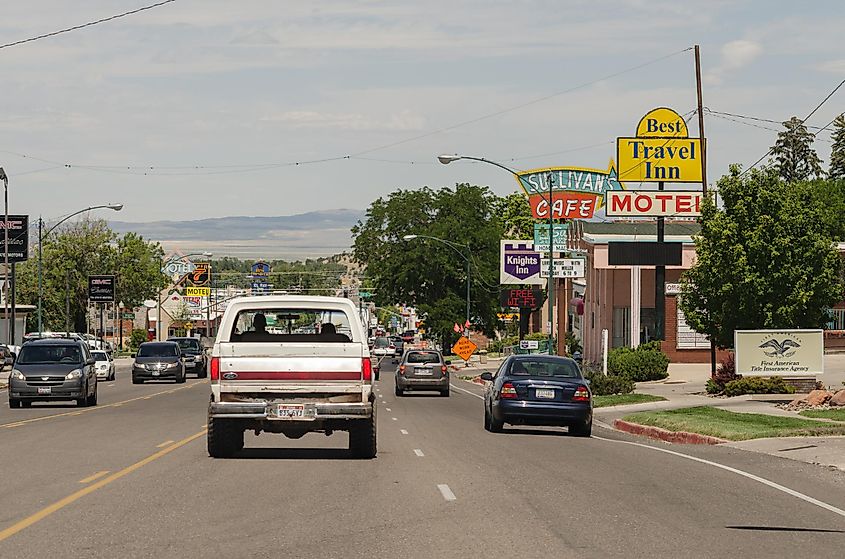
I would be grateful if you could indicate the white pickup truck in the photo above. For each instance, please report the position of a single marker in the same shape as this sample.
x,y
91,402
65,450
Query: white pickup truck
x,y
279,365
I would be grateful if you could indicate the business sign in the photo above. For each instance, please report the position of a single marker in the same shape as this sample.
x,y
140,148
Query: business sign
x,y
519,263
673,289
529,344
779,352
633,253
101,289
653,203
201,276
507,316
576,192
685,336
522,298
541,237
177,265
197,292
18,247
564,268
260,269
661,151
260,287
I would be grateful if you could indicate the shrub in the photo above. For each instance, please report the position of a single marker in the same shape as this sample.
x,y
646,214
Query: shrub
x,y
139,336
601,385
647,362
725,373
758,385
573,345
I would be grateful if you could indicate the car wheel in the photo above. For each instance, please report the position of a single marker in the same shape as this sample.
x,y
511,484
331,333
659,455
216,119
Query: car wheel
x,y
14,403
202,373
136,380
224,438
362,440
398,391
92,401
111,377
444,393
496,426
82,402
181,379
582,429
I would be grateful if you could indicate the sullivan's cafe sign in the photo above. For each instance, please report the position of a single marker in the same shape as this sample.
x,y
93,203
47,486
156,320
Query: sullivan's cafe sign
x,y
576,192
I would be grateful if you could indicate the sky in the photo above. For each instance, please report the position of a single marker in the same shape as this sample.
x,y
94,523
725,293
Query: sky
x,y
203,108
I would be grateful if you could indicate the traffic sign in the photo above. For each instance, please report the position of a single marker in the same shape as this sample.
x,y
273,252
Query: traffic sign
x,y
464,348
197,291
128,316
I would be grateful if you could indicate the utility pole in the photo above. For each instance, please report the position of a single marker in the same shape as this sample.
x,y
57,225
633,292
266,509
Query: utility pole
x,y
67,303
703,167
6,256
551,280
660,281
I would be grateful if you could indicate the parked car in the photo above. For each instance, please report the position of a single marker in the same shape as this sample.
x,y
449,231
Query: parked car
x,y
383,347
158,361
193,355
53,369
399,347
538,390
105,365
422,369
7,356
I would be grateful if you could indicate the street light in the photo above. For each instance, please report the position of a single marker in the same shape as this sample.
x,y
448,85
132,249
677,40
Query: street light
x,y
445,159
5,180
205,254
454,247
43,235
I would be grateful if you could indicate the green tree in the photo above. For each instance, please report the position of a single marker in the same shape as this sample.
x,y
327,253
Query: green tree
x,y
78,250
795,158
766,259
428,274
515,214
837,152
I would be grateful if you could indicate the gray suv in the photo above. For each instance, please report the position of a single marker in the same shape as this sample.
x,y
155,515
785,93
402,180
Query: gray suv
x,y
422,369
158,361
53,369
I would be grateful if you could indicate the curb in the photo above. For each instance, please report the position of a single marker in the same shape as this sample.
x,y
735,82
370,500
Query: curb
x,y
679,437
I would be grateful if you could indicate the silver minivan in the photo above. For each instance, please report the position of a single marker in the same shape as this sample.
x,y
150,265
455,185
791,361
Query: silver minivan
x,y
422,369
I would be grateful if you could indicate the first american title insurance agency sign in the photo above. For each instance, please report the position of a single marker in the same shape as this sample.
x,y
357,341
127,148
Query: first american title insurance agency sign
x,y
779,352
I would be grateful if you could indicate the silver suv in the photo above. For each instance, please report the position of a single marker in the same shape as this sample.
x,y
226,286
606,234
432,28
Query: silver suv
x,y
422,369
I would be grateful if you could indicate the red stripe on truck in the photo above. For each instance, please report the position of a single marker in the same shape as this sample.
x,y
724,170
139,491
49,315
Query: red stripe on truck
x,y
311,375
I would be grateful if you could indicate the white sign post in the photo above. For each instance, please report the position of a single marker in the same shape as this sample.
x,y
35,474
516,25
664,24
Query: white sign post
x,y
604,344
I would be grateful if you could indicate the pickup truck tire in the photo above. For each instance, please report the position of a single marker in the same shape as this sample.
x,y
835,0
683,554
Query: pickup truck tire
x,y
362,439
224,438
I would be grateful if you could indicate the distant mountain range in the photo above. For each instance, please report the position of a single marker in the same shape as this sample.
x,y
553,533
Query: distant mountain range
x,y
290,237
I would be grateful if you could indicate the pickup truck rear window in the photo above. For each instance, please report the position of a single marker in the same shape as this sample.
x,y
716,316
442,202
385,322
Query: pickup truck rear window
x,y
291,325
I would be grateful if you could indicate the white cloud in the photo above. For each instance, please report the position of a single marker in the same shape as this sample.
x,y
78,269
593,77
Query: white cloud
x,y
735,56
402,121
831,66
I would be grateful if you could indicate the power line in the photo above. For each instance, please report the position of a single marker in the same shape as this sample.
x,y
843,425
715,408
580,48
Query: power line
x,y
83,25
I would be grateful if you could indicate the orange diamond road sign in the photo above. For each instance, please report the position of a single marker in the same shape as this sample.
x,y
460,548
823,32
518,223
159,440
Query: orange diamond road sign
x,y
464,348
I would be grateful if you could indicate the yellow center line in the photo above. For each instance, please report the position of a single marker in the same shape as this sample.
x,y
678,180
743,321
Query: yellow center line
x,y
165,443
78,412
91,478
58,505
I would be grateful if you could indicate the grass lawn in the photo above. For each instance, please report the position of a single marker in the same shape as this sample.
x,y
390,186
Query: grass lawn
x,y
837,414
623,399
733,426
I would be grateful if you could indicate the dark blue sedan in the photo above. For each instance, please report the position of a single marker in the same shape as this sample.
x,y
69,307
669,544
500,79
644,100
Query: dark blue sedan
x,y
538,390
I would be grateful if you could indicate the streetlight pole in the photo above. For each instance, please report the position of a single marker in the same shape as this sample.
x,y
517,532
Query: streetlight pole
x,y
456,249
42,236
5,180
446,159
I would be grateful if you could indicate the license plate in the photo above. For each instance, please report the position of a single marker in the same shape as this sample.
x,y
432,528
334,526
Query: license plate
x,y
45,390
545,393
156,373
293,411
424,372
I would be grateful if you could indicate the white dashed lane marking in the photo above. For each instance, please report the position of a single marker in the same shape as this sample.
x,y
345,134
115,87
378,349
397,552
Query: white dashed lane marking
x,y
419,452
403,431
446,492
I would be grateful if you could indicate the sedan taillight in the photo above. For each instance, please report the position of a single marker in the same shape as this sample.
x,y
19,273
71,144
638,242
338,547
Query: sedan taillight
x,y
508,391
581,394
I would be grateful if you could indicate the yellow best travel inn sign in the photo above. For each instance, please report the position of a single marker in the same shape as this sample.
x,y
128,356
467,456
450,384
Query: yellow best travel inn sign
x,y
662,151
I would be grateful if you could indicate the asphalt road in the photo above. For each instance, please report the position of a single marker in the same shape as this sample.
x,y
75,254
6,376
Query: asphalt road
x,y
131,478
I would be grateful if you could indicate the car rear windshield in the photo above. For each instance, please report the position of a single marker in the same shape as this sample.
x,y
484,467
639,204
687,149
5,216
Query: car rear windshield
x,y
292,325
49,354
544,368
157,350
99,356
381,343
423,357
188,344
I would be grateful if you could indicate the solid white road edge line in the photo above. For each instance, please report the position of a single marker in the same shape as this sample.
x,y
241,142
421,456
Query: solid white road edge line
x,y
742,473
479,396
446,492
419,452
